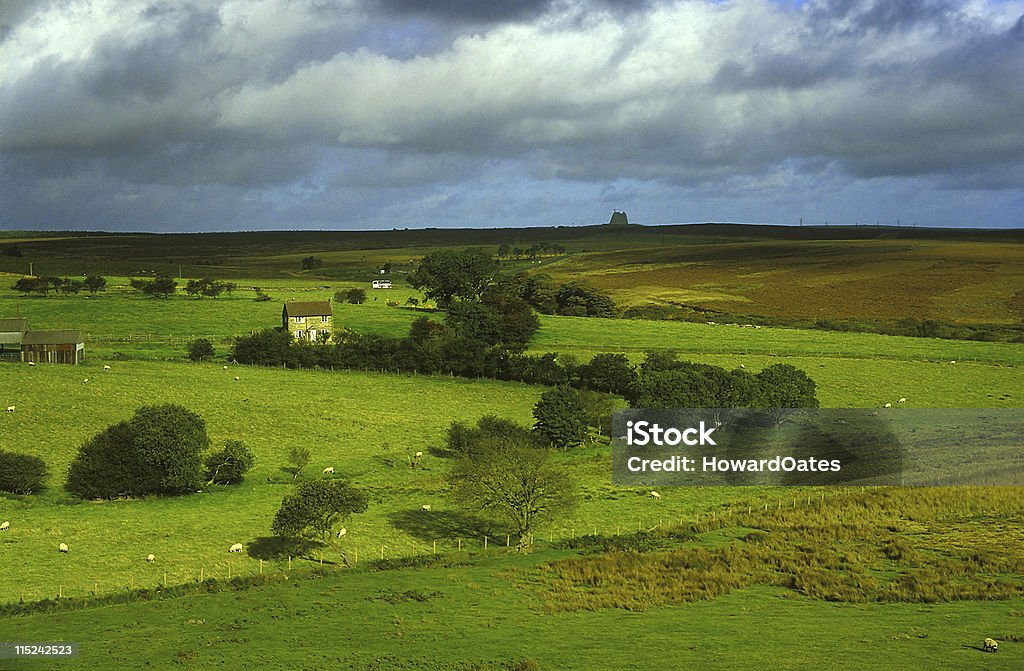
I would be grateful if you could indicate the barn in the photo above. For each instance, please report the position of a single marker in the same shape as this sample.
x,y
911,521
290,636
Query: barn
x,y
62,346
12,332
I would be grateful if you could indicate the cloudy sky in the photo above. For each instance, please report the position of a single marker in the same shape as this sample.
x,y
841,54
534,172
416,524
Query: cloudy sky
x,y
171,115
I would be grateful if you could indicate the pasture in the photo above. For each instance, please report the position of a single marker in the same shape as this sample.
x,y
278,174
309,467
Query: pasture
x,y
366,425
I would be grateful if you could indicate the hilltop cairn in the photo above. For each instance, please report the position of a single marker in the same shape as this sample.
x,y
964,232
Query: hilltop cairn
x,y
618,219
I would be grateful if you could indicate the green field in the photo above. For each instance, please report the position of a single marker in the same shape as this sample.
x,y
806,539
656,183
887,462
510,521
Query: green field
x,y
487,609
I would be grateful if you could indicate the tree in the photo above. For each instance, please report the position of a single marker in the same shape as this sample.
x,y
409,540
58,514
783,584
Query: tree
x,y
268,347
21,473
95,283
69,286
463,440
316,507
298,459
785,386
447,275
200,349
516,481
356,296
561,419
579,299
157,451
37,285
609,372
161,287
311,262
229,465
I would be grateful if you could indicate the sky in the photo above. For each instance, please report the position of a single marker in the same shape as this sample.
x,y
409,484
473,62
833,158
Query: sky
x,y
212,115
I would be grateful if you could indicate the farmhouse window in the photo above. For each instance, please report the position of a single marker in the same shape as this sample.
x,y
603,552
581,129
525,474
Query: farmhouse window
x,y
299,334
299,320
325,318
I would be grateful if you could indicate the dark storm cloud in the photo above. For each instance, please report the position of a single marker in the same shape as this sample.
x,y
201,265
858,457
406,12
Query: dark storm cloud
x,y
306,105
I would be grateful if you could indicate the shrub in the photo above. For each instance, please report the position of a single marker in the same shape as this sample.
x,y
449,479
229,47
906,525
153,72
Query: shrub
x,y
229,465
355,296
200,349
561,419
21,473
157,451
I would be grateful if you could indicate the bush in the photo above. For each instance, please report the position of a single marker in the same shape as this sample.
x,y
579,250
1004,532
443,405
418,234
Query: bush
x,y
229,465
200,349
21,473
561,419
157,451
355,296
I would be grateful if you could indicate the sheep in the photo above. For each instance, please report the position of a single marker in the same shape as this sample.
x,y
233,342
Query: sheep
x,y
62,547
902,400
237,378
106,368
990,645
5,526
655,495
425,506
237,547
225,367
85,381
31,363
329,470
419,454
887,405
151,558
341,532
952,361
10,408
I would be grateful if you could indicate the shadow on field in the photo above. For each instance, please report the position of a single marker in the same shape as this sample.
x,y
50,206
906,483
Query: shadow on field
x,y
269,548
430,525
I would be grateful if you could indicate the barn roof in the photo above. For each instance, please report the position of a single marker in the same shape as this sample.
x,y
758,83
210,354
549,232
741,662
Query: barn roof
x,y
13,324
307,308
12,330
60,337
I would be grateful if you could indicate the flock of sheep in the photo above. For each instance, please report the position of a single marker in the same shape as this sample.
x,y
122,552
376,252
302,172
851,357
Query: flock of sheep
x,y
899,402
63,547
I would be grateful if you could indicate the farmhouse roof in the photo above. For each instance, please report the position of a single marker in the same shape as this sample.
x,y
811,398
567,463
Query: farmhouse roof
x,y
59,337
307,308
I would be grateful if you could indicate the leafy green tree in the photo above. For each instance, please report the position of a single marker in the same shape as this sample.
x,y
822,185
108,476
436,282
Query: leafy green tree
x,y
425,329
161,287
312,262
464,440
316,507
229,465
448,275
517,482
21,473
37,285
784,386
356,296
579,299
609,372
200,349
157,451
68,286
268,347
561,418
95,283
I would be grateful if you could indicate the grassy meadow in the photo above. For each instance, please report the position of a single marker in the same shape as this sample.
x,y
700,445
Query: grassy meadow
x,y
557,608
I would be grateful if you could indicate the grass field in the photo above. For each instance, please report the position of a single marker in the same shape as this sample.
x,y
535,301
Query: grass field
x,y
493,609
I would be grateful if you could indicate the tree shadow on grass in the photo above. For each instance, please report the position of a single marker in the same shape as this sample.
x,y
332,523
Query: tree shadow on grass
x,y
271,548
430,525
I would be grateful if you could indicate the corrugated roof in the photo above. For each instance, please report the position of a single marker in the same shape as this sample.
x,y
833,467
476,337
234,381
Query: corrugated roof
x,y
60,337
11,324
307,308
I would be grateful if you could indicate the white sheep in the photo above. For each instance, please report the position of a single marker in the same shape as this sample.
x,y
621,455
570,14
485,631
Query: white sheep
x,y
329,470
237,547
341,532
225,367
425,506
887,405
419,454
85,381
902,400
655,495
5,526
991,645
953,361
106,368
151,558
10,408
237,378
62,547
31,363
